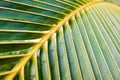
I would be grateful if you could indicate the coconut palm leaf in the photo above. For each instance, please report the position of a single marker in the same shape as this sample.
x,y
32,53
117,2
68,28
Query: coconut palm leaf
x,y
59,40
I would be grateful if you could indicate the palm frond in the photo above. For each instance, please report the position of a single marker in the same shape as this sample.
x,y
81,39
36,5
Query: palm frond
x,y
59,40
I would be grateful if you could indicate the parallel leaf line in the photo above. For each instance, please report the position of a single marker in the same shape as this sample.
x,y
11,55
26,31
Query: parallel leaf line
x,y
24,31
110,42
38,7
28,12
25,21
112,58
91,56
72,2
66,3
114,37
53,5
18,42
13,56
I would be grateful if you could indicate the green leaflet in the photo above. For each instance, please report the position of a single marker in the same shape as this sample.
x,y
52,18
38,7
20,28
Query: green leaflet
x,y
53,58
72,55
62,56
44,63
